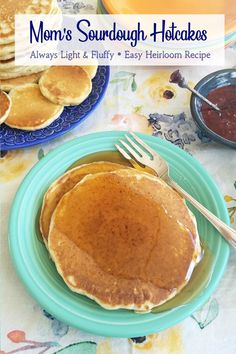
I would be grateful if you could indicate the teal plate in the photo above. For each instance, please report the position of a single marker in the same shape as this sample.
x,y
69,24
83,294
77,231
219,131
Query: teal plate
x,y
39,274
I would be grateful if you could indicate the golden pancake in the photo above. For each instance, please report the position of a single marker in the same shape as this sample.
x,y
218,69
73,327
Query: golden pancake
x,y
124,239
9,8
90,69
5,106
64,184
7,51
9,84
65,85
30,109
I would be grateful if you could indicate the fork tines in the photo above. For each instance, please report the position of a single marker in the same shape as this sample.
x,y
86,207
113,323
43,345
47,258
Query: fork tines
x,y
134,149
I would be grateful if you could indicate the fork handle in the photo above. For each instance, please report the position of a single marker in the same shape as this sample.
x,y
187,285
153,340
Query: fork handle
x,y
226,231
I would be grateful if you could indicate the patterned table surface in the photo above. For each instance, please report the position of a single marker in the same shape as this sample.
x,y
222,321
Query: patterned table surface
x,y
134,101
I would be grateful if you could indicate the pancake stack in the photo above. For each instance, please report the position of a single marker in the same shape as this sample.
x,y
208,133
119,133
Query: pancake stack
x,y
12,76
119,236
38,99
8,10
37,96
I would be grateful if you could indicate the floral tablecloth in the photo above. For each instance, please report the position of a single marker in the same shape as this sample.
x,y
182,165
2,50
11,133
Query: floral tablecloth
x,y
134,101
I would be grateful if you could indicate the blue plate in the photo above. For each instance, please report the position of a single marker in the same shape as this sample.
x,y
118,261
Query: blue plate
x,y
38,272
71,116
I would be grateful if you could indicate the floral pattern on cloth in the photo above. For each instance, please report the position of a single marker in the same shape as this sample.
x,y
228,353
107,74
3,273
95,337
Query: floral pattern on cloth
x,y
76,7
13,164
161,119
132,114
26,345
143,100
232,208
170,341
176,128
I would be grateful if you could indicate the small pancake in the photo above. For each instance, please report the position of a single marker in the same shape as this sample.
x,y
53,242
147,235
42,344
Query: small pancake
x,y
64,184
65,85
124,239
30,109
9,84
91,70
5,106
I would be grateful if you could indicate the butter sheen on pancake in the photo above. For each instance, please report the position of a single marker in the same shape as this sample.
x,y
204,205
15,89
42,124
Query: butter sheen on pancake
x,y
64,184
5,106
124,239
30,109
65,85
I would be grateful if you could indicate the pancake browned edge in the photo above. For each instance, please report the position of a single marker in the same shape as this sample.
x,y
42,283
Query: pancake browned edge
x,y
65,85
64,184
5,106
90,69
124,239
30,109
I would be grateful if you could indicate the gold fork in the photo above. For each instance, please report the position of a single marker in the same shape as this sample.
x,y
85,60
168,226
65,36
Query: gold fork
x,y
139,151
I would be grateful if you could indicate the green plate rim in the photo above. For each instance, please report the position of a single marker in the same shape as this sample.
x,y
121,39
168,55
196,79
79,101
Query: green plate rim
x,y
97,327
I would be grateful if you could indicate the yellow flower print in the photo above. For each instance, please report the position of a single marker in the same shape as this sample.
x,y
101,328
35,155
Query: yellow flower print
x,y
232,208
14,164
105,347
162,96
166,342
135,122
228,198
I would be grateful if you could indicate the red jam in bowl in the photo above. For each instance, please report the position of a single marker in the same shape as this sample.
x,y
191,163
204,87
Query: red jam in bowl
x,y
222,123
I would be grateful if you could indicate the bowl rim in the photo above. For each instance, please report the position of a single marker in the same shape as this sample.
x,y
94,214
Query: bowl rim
x,y
196,116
